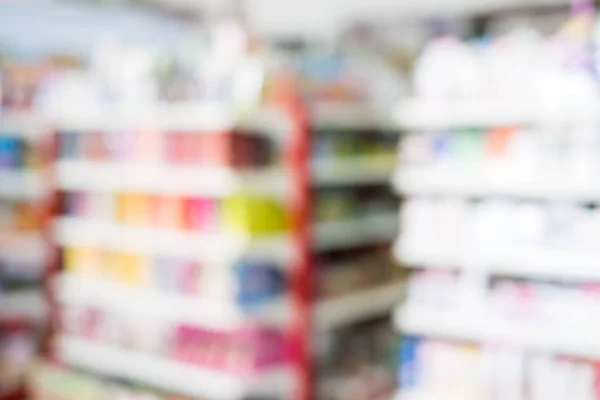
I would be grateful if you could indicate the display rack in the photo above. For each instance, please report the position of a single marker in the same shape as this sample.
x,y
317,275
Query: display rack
x,y
23,248
283,125
377,228
478,323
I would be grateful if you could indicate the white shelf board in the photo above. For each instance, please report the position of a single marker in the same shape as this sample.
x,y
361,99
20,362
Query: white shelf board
x,y
25,124
356,307
208,247
561,338
415,114
198,117
338,235
21,185
23,303
171,375
175,180
563,265
479,183
348,116
218,313
353,171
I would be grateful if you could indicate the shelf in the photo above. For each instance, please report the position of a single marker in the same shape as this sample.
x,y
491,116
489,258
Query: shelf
x,y
558,337
208,247
346,116
28,304
353,171
173,376
414,181
21,185
360,306
563,265
164,179
198,117
422,115
165,306
370,230
24,124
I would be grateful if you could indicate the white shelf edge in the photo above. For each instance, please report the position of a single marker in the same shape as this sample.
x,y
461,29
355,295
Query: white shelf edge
x,y
173,376
155,178
431,181
347,115
21,185
172,307
27,303
27,124
578,341
564,265
199,117
359,306
416,114
352,171
373,229
208,247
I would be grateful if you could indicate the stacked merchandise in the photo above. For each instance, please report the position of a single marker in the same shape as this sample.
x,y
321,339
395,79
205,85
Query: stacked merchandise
x,y
354,221
22,245
492,372
180,250
499,174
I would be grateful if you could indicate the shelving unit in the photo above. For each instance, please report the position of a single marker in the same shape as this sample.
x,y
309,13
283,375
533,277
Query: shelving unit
x,y
24,248
480,320
217,250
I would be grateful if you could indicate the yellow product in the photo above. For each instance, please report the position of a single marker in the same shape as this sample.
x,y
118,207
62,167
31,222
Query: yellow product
x,y
254,215
131,267
134,208
83,260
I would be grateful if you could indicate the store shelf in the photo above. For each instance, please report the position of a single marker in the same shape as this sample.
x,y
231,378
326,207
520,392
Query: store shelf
x,y
336,235
218,313
353,171
214,248
26,124
559,337
422,115
175,180
347,116
20,185
478,183
563,265
357,307
199,117
171,375
28,304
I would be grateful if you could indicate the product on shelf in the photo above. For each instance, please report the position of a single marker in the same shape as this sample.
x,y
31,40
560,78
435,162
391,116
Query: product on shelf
x,y
432,369
350,271
357,362
450,230
18,346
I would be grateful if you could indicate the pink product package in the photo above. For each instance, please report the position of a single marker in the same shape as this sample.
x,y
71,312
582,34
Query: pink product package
x,y
201,214
242,351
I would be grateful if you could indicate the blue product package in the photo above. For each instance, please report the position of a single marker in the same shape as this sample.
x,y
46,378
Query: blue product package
x,y
258,282
68,145
9,150
408,371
